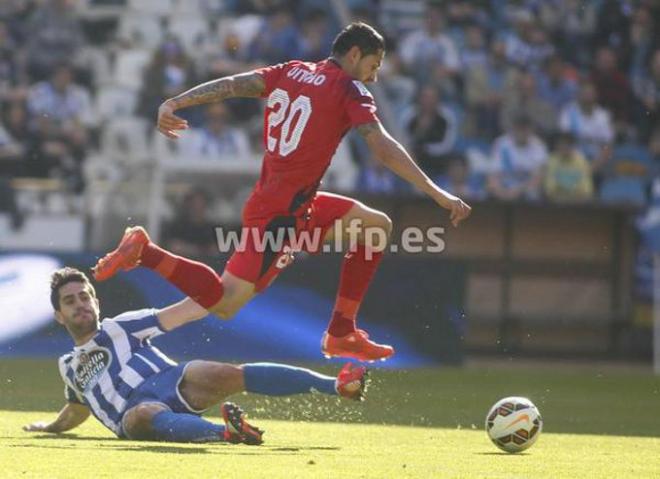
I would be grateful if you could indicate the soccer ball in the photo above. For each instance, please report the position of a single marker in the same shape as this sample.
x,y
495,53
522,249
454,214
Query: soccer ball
x,y
514,424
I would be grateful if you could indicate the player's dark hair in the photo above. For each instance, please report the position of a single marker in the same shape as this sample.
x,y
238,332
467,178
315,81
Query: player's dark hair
x,y
360,35
65,276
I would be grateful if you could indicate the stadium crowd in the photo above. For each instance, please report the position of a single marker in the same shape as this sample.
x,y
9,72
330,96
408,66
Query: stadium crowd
x,y
553,100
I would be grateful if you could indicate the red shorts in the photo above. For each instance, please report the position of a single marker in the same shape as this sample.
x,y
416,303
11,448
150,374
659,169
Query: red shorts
x,y
260,262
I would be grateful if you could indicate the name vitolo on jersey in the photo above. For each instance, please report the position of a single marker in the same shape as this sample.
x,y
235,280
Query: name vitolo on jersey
x,y
305,76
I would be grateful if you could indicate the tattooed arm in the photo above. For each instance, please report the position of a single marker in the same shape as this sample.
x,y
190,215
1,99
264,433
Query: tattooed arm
x,y
395,157
243,85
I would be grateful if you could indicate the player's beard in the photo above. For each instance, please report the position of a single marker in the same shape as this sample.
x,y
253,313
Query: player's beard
x,y
83,324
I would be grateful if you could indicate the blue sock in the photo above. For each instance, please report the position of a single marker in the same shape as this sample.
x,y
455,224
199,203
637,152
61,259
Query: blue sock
x,y
180,427
280,380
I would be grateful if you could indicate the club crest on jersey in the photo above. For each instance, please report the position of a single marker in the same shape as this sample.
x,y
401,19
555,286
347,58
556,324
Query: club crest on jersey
x,y
362,89
90,367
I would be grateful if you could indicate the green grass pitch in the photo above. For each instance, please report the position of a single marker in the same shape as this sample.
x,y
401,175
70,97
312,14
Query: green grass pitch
x,y
599,422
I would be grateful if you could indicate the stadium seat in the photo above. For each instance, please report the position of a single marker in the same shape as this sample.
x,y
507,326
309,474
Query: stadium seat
x,y
129,68
192,31
623,190
152,7
115,101
126,139
98,61
142,30
632,160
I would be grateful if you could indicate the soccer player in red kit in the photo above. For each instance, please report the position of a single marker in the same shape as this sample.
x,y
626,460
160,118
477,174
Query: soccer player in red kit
x,y
310,107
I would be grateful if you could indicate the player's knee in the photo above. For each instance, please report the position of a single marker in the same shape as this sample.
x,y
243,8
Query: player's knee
x,y
227,378
137,420
234,298
385,223
378,231
226,311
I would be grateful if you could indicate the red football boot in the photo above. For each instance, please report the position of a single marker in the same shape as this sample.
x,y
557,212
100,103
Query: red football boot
x,y
356,345
125,257
352,382
237,429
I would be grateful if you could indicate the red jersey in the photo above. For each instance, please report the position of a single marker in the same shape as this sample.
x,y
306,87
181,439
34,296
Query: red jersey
x,y
310,107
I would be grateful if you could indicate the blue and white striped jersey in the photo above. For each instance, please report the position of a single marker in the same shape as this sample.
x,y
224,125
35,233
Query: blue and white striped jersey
x,y
103,372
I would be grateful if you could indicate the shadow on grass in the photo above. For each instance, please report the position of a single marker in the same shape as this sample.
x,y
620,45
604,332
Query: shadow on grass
x,y
501,453
117,444
74,437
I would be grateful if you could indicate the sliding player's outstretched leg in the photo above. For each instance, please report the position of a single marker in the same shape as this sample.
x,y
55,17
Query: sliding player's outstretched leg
x,y
168,407
237,429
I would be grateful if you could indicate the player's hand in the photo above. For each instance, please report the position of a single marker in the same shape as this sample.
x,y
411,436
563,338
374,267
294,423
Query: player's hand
x,y
39,426
459,210
168,122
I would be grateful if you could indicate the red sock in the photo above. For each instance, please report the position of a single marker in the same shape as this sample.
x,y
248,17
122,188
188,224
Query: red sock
x,y
356,274
197,280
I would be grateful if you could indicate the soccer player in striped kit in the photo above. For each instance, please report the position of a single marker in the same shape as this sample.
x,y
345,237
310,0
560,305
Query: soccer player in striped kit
x,y
136,391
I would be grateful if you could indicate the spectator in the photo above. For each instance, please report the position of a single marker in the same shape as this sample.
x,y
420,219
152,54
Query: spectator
x,y
8,203
527,46
572,22
375,178
61,114
226,55
55,154
459,181
398,86
278,40
216,140
484,87
429,54
11,154
191,232
612,87
16,123
647,95
474,53
613,23
523,99
54,36
12,74
433,130
568,174
62,101
464,13
643,40
170,72
590,124
316,36
556,83
519,158
654,148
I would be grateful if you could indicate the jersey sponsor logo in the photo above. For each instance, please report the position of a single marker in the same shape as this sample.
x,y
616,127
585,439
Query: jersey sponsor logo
x,y
304,76
90,366
362,89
